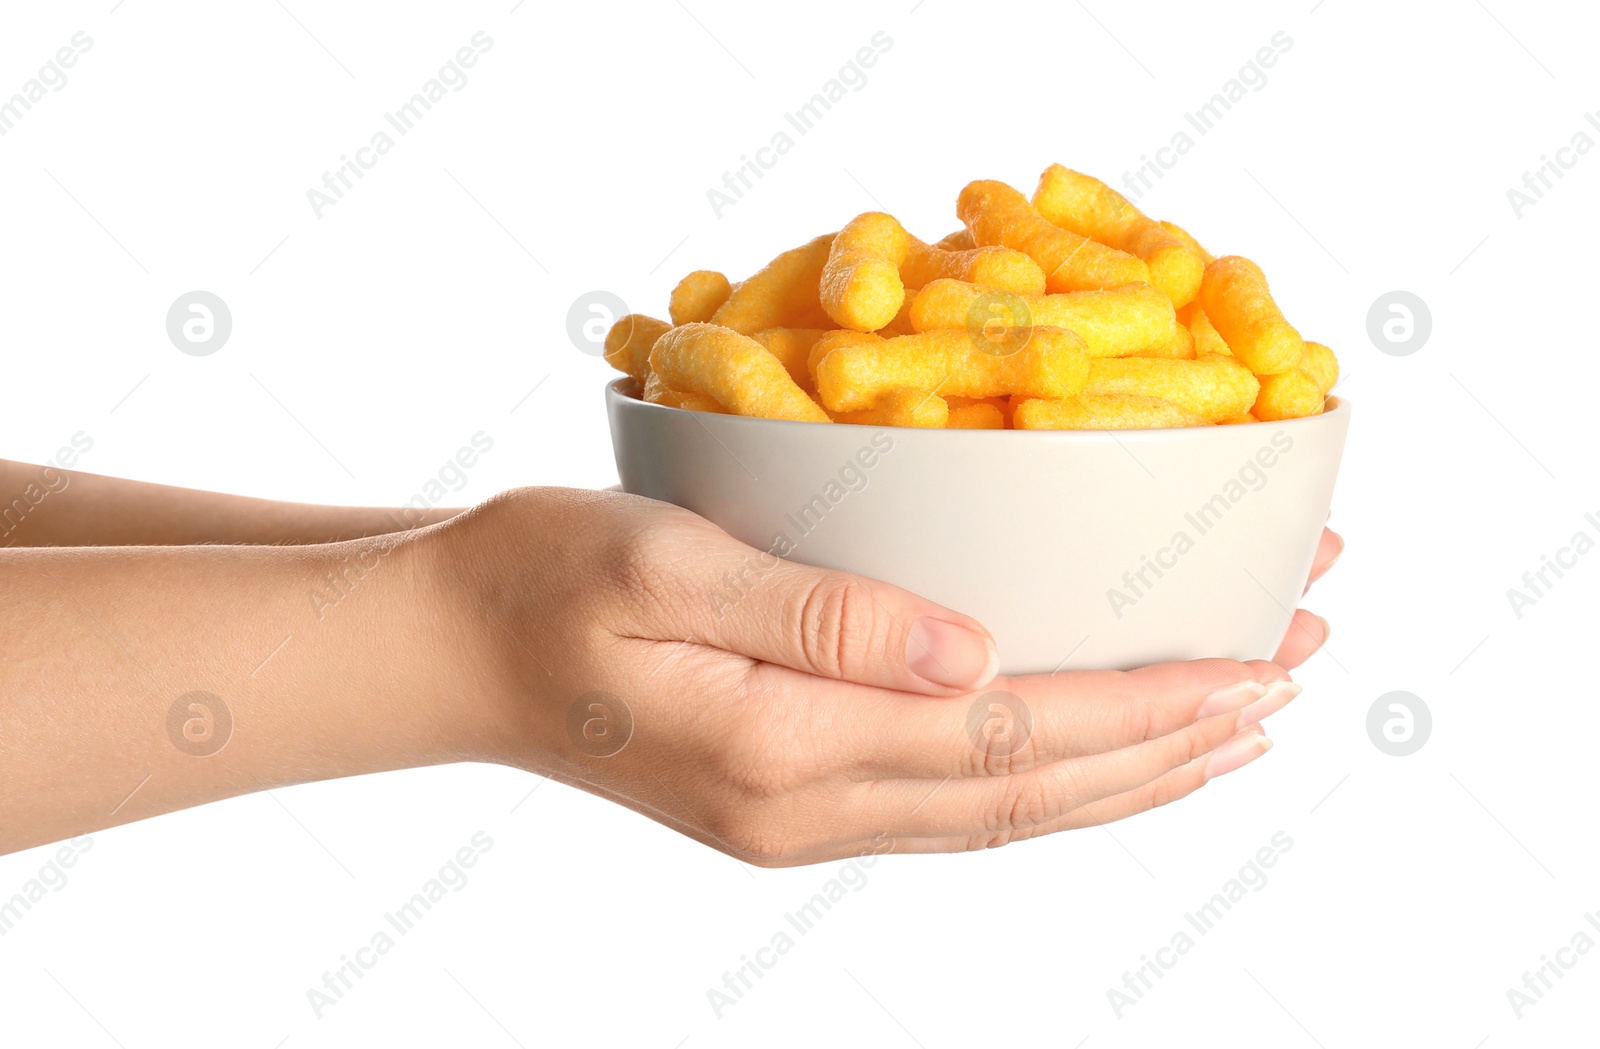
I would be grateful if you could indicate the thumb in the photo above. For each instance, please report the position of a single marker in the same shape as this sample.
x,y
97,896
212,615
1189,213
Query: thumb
x,y
837,625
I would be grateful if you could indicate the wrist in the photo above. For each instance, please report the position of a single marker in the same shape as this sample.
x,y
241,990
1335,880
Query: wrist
x,y
455,582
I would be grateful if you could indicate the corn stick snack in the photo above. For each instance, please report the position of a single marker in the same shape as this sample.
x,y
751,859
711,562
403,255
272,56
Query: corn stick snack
x,y
1001,404
1005,269
1088,207
901,323
1287,395
976,415
792,347
902,407
784,293
826,345
1323,367
1102,411
1213,388
997,214
1206,340
656,392
1180,347
732,369
860,284
1113,323
1235,299
629,340
698,296
1053,363
1206,258
1072,311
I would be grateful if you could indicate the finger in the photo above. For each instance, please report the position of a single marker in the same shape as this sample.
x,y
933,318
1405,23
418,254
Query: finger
x,y
1329,547
837,625
1267,671
877,833
1307,633
1024,722
1174,786
1020,803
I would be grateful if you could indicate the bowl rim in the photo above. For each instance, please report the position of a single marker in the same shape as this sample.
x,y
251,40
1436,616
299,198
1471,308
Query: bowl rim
x,y
1336,409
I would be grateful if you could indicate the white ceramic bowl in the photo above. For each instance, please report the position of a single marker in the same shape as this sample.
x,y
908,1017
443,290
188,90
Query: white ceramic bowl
x,y
1075,548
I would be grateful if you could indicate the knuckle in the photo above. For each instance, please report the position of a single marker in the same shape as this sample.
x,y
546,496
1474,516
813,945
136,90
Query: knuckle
x,y
748,833
1160,793
636,556
741,764
752,781
998,759
765,847
1139,720
1166,790
835,617
1024,804
518,503
646,540
999,750
1186,747
645,568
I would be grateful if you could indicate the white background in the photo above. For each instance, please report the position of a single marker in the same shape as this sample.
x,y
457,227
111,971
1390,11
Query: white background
x,y
426,305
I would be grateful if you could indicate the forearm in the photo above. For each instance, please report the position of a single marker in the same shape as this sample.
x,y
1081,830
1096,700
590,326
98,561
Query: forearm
x,y
330,661
50,506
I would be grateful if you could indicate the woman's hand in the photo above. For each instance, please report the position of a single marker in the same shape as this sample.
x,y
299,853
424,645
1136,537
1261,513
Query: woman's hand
x,y
778,712
789,715
1308,632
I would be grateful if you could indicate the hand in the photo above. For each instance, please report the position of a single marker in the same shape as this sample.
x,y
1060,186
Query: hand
x,y
1308,632
788,715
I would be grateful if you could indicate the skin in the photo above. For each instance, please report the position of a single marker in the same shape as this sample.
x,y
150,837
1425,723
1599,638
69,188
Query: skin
x,y
780,713
111,511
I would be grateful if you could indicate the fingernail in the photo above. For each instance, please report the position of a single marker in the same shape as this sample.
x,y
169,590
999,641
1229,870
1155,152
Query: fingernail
x,y
1236,753
1279,693
1327,629
1230,698
951,655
